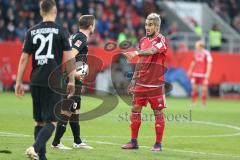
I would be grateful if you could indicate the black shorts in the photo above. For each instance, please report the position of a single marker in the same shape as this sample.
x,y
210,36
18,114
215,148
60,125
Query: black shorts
x,y
68,109
75,105
44,101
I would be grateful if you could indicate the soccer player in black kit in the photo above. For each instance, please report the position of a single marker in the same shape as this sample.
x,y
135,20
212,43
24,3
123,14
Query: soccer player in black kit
x,y
47,43
80,50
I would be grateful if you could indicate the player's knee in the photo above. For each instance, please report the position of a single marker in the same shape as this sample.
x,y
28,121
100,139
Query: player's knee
x,y
194,86
54,124
204,88
136,109
158,112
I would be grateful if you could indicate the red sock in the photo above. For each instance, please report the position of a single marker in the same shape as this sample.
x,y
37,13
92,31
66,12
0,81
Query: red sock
x,y
204,97
135,124
194,95
159,127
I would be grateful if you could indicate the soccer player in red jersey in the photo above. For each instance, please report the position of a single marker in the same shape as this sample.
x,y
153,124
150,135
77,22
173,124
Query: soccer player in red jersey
x,y
199,71
147,82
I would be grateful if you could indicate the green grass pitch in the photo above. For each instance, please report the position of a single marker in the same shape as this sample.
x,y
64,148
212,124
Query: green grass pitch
x,y
191,133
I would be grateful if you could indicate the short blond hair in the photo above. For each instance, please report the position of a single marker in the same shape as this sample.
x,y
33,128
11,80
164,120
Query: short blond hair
x,y
156,18
200,43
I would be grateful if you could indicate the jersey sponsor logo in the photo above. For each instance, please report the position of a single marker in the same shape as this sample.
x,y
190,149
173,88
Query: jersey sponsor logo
x,y
78,43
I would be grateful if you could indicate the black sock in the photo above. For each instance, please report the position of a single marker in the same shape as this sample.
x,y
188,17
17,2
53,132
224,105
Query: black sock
x,y
36,131
42,151
134,141
76,132
61,128
44,134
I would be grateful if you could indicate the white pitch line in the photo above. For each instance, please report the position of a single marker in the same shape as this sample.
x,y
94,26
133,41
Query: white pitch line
x,y
171,149
9,134
146,137
116,144
218,124
213,136
190,136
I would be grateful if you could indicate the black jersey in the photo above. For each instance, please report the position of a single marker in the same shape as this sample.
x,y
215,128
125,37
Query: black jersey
x,y
46,42
79,42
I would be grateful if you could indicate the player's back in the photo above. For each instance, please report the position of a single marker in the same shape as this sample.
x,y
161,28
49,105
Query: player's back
x,y
46,42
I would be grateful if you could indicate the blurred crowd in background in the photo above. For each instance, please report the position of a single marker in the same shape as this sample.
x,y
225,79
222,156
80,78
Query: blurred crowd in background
x,y
116,20
228,10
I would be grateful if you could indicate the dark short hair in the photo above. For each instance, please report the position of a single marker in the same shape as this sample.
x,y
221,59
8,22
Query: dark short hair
x,y
85,21
47,5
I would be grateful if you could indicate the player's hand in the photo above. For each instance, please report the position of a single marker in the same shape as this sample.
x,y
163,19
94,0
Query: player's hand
x,y
70,89
19,90
130,55
80,77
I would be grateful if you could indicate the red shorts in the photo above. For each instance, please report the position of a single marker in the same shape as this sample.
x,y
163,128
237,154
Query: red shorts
x,y
155,96
199,80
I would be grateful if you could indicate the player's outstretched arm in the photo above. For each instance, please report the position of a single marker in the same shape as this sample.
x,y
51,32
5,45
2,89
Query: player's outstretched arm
x,y
146,52
19,90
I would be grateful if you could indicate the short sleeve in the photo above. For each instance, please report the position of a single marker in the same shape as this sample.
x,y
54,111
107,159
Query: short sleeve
x,y
27,44
78,44
161,44
66,41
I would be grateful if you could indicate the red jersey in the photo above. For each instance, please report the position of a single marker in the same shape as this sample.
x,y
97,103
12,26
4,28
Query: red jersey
x,y
201,59
152,67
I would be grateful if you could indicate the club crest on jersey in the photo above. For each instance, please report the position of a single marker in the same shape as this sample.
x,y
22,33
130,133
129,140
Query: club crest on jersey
x,y
78,43
159,45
